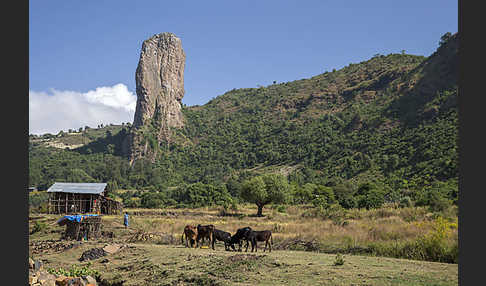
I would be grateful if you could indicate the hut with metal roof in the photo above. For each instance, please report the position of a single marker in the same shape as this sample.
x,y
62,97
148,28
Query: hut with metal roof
x,y
76,198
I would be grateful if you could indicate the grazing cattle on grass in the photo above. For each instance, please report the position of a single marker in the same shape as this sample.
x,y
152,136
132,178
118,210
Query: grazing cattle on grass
x,y
191,234
205,231
224,237
240,235
264,235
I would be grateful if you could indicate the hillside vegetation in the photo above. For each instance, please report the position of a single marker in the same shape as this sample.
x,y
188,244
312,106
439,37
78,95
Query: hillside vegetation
x,y
389,122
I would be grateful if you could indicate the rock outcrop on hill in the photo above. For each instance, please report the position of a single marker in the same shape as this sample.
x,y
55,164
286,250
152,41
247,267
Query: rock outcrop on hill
x,y
160,87
160,80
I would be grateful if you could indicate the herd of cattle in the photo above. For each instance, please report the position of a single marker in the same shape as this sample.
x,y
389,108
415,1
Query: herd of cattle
x,y
195,234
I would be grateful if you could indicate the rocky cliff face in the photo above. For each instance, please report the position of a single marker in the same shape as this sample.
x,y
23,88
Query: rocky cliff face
x,y
160,80
160,88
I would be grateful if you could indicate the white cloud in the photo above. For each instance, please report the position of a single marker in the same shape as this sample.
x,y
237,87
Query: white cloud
x,y
62,110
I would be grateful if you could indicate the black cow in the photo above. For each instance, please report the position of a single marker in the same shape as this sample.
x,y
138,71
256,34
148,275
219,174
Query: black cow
x,y
241,234
263,235
205,231
224,237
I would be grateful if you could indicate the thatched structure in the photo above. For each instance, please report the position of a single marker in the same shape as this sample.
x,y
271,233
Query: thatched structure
x,y
81,226
73,198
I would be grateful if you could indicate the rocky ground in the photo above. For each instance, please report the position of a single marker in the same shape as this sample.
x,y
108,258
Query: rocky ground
x,y
38,276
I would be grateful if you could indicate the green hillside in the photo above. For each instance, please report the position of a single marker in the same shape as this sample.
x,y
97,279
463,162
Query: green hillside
x,y
390,121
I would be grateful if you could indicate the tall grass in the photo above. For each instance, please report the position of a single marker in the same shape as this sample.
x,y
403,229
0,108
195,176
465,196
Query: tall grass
x,y
440,244
410,232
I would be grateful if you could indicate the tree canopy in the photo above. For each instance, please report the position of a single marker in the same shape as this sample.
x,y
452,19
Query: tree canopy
x,y
265,189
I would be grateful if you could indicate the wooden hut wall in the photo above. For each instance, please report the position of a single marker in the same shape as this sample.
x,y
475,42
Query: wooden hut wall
x,y
110,206
70,203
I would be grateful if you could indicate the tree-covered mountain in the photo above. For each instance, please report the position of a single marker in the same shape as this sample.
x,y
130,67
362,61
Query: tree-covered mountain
x,y
391,120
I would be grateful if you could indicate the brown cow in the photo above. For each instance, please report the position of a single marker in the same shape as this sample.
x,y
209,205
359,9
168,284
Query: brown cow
x,y
191,233
264,235
205,231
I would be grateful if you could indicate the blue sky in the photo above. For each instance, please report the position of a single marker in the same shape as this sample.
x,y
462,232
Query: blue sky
x,y
79,47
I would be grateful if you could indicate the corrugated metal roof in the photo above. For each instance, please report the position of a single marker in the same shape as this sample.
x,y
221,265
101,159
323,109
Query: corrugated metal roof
x,y
80,188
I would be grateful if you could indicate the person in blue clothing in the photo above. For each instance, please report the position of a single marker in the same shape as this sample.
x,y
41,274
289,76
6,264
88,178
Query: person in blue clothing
x,y
125,220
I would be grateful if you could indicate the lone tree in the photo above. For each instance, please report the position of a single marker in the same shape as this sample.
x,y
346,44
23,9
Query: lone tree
x,y
265,189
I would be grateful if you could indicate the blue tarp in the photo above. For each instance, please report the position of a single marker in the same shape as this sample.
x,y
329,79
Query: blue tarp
x,y
76,218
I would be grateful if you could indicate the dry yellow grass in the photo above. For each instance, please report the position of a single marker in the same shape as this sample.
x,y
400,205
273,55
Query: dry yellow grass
x,y
383,228
362,228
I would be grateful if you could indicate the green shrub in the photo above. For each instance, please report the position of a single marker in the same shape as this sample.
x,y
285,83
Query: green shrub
x,y
334,212
153,200
318,195
38,226
339,260
132,202
434,246
302,195
75,271
200,195
439,196
405,202
370,196
280,208
38,201
437,202
323,196
345,196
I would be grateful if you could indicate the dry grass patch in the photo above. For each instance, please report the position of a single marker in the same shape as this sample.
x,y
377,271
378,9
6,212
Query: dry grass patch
x,y
389,231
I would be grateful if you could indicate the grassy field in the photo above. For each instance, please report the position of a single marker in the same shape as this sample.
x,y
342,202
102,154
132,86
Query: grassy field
x,y
158,258
387,231
152,264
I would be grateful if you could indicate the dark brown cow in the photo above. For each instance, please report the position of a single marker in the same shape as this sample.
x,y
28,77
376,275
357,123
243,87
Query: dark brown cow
x,y
240,235
263,235
205,231
191,233
224,237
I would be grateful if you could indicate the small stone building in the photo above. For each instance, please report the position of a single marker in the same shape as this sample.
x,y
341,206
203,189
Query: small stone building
x,y
75,198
